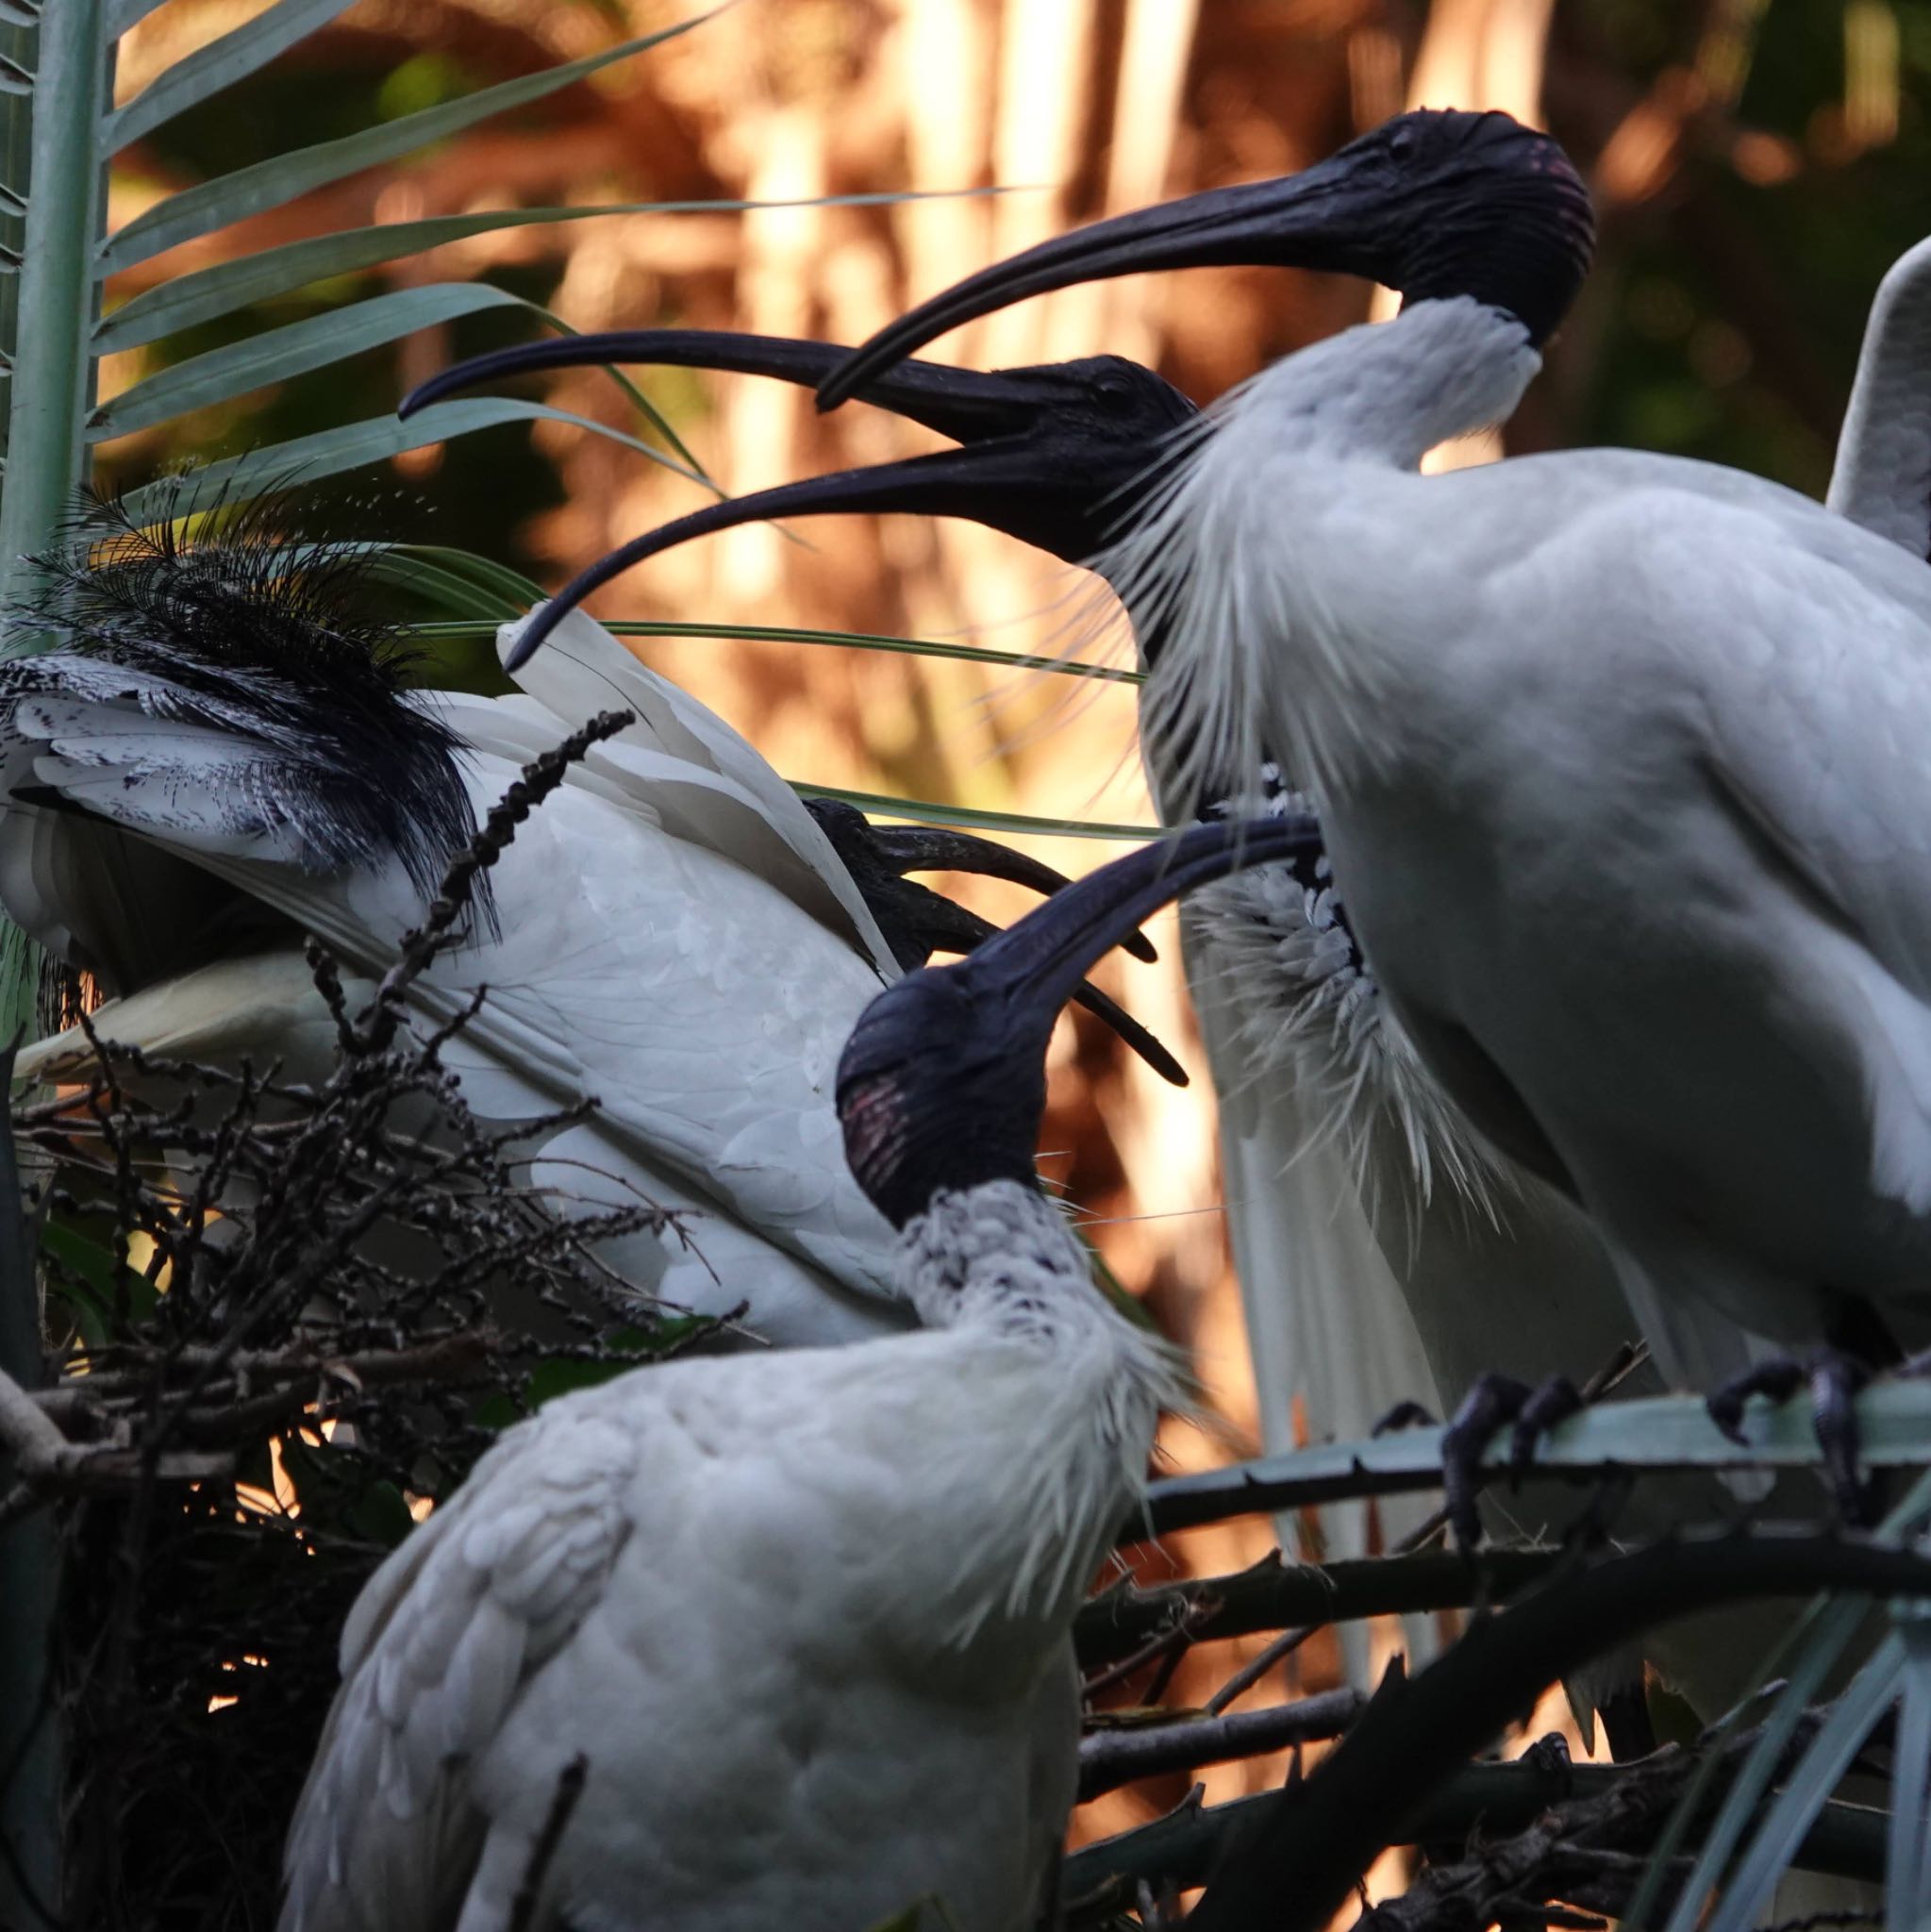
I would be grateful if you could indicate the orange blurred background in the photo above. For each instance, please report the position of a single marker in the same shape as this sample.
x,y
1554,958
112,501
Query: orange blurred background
x,y
1728,142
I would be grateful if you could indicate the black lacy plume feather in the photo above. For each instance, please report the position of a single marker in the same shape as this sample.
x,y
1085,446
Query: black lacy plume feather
x,y
258,629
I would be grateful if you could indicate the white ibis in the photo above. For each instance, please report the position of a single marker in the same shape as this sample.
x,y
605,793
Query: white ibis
x,y
223,758
795,1626
1618,755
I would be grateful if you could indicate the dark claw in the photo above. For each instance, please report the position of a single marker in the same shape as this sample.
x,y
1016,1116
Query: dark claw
x,y
1834,1380
1404,1415
1555,1401
1778,1378
943,848
1493,1401
1550,1754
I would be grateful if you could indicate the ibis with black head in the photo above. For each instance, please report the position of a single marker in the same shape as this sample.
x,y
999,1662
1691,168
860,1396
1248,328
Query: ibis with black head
x,y
796,1628
1618,753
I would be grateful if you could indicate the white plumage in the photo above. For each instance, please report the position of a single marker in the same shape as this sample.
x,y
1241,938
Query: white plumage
x,y
1882,476
803,1615
676,939
1628,837
1279,583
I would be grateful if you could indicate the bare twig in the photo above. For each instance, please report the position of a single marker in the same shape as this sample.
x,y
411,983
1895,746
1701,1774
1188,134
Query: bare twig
x,y
1273,1596
1115,1756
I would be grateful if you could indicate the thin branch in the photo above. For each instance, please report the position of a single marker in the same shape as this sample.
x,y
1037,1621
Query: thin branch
x,y
36,1444
1113,1758
1274,1595
1186,1846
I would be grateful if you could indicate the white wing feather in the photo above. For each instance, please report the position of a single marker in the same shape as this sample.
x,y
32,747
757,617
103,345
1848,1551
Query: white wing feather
x,y
678,940
434,1654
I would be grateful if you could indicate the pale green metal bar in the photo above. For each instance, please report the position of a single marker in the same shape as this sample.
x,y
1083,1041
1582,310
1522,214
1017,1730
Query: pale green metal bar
x,y
48,397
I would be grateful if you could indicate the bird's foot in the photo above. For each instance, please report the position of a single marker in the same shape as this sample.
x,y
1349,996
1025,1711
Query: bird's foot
x,y
1491,1404
1834,1380
1404,1415
1550,1756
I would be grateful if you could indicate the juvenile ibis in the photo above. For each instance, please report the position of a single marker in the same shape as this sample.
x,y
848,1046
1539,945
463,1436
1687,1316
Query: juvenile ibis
x,y
1618,755
796,1628
222,756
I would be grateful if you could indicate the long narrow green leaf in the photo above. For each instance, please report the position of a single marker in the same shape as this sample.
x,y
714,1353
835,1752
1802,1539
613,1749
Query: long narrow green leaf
x,y
1812,1781
445,589
926,811
248,191
863,640
189,300
278,354
219,64
48,398
126,14
373,439
1908,1874
485,594
867,641
1805,1657
1743,1802
511,586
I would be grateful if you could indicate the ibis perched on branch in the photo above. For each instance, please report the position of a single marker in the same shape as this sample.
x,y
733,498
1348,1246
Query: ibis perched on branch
x,y
222,756
784,1641
1618,755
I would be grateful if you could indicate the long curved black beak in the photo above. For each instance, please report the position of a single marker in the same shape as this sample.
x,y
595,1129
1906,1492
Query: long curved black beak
x,y
1311,220
988,412
947,482
944,848
1038,962
942,1083
964,404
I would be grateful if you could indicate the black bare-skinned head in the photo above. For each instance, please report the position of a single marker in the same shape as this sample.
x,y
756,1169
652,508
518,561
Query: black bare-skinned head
x,y
942,1083
1057,455
1435,202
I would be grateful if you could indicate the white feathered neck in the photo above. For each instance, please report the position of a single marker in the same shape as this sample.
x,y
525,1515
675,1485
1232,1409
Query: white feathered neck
x,y
1218,557
1062,1446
